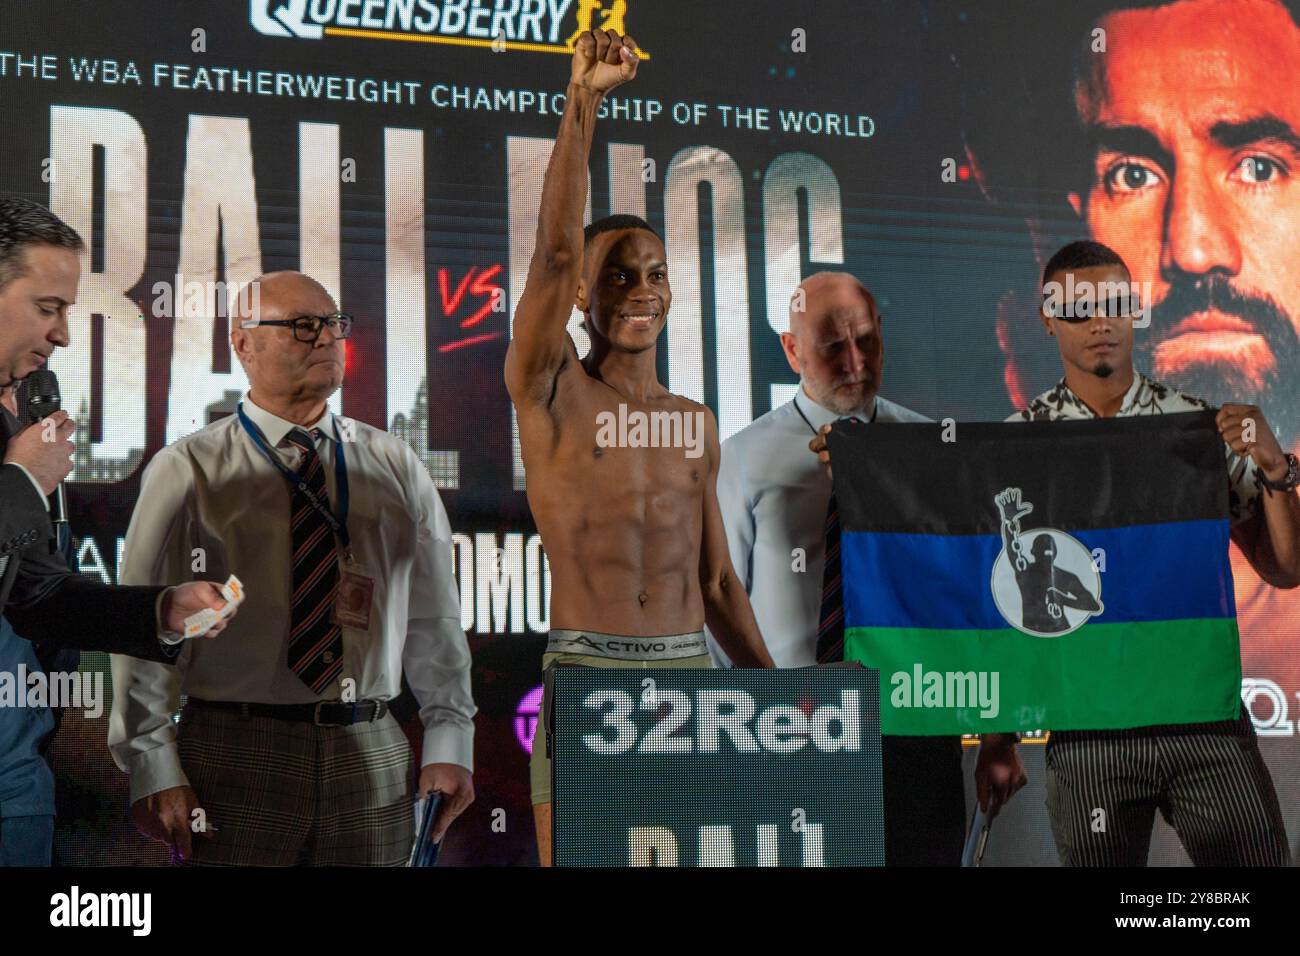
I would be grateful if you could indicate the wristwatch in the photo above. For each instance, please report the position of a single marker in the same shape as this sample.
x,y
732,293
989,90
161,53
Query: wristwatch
x,y
1290,481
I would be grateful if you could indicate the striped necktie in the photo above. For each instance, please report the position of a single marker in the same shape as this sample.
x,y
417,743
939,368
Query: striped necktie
x,y
830,627
315,641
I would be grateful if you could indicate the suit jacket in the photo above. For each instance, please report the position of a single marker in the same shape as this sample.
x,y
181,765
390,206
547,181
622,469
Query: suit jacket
x,y
48,604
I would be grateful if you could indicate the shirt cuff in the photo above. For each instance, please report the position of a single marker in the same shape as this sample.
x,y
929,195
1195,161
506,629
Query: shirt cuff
x,y
170,638
155,770
35,484
447,743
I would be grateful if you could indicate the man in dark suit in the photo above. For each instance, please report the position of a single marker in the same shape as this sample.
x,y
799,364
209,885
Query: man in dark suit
x,y
40,267
27,800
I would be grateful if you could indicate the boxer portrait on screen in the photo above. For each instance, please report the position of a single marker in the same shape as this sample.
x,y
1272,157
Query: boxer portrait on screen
x,y
1175,144
634,535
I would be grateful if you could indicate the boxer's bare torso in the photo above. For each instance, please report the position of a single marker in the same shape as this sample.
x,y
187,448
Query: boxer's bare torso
x,y
622,475
621,525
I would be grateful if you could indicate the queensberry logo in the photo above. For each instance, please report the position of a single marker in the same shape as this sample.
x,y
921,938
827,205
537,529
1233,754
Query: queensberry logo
x,y
540,26
687,726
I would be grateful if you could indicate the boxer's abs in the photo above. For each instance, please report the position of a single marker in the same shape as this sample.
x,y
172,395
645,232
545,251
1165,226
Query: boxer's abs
x,y
621,527
620,565
605,594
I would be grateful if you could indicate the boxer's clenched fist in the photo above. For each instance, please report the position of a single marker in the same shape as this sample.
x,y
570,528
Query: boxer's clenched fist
x,y
602,60
1246,432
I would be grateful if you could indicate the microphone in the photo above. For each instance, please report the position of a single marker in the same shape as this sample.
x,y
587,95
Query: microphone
x,y
39,394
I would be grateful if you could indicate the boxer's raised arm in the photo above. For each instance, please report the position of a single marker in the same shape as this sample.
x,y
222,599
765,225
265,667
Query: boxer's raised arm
x,y
601,61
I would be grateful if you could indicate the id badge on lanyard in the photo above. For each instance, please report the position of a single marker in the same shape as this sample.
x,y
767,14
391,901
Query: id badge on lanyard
x,y
354,596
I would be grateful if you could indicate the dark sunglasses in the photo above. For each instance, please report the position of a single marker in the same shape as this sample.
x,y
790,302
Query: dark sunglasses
x,y
1120,306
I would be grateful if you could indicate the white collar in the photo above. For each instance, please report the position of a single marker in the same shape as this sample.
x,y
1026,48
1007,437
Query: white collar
x,y
275,428
819,415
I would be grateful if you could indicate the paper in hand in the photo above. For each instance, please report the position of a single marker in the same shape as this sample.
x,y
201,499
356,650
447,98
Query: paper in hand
x,y
202,621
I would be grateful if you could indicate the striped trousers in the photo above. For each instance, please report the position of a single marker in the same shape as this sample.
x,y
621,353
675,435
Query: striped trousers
x,y
1208,781
287,793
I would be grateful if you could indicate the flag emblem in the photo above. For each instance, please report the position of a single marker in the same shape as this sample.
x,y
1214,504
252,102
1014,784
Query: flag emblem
x,y
1045,582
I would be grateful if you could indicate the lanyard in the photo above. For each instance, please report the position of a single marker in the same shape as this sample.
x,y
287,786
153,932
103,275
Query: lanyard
x,y
339,524
875,410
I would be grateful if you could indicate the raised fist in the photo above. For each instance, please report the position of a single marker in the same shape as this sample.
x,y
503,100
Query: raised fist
x,y
1009,504
1246,432
602,60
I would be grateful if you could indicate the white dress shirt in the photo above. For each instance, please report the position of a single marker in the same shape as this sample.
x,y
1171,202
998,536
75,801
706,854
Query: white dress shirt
x,y
211,505
773,493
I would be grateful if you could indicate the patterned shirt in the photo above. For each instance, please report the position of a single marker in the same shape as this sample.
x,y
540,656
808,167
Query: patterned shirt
x,y
1148,397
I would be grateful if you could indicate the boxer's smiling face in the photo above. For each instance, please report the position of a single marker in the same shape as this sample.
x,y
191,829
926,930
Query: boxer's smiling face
x,y
624,292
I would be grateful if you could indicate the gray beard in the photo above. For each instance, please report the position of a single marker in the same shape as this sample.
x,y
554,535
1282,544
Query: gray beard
x,y
837,406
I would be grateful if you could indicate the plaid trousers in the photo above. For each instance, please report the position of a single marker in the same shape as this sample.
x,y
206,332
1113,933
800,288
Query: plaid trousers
x,y
287,793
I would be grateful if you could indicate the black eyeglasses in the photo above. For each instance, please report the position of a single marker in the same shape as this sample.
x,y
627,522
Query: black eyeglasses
x,y
307,328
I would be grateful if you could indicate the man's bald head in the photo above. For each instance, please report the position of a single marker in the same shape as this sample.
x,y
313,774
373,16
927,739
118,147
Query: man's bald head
x,y
834,341
825,291
279,295
275,361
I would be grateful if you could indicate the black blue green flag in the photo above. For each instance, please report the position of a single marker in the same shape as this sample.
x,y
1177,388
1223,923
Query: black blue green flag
x,y
1041,575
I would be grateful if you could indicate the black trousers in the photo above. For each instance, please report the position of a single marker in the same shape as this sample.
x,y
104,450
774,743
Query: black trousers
x,y
924,801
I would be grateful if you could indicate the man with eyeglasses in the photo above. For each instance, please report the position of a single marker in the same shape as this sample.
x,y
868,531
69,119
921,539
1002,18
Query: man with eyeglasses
x,y
286,744
1208,780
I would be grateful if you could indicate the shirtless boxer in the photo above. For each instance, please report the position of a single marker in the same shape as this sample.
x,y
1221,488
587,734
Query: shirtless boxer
x,y
634,536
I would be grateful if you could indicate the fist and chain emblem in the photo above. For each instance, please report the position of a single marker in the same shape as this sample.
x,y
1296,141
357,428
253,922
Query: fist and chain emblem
x,y
1013,509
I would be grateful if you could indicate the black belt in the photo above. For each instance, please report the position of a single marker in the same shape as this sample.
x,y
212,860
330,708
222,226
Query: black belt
x,y
325,713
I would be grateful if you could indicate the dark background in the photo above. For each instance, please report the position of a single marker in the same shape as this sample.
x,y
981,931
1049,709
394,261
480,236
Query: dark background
x,y
940,257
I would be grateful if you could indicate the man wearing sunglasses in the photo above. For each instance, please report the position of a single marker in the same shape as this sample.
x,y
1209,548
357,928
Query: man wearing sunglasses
x,y
1208,780
286,743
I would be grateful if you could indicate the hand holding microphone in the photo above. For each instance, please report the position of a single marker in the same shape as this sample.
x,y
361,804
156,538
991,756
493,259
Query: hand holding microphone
x,y
44,450
47,441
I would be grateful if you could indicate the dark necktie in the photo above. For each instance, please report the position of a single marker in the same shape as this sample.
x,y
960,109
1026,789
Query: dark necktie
x,y
315,641
830,629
